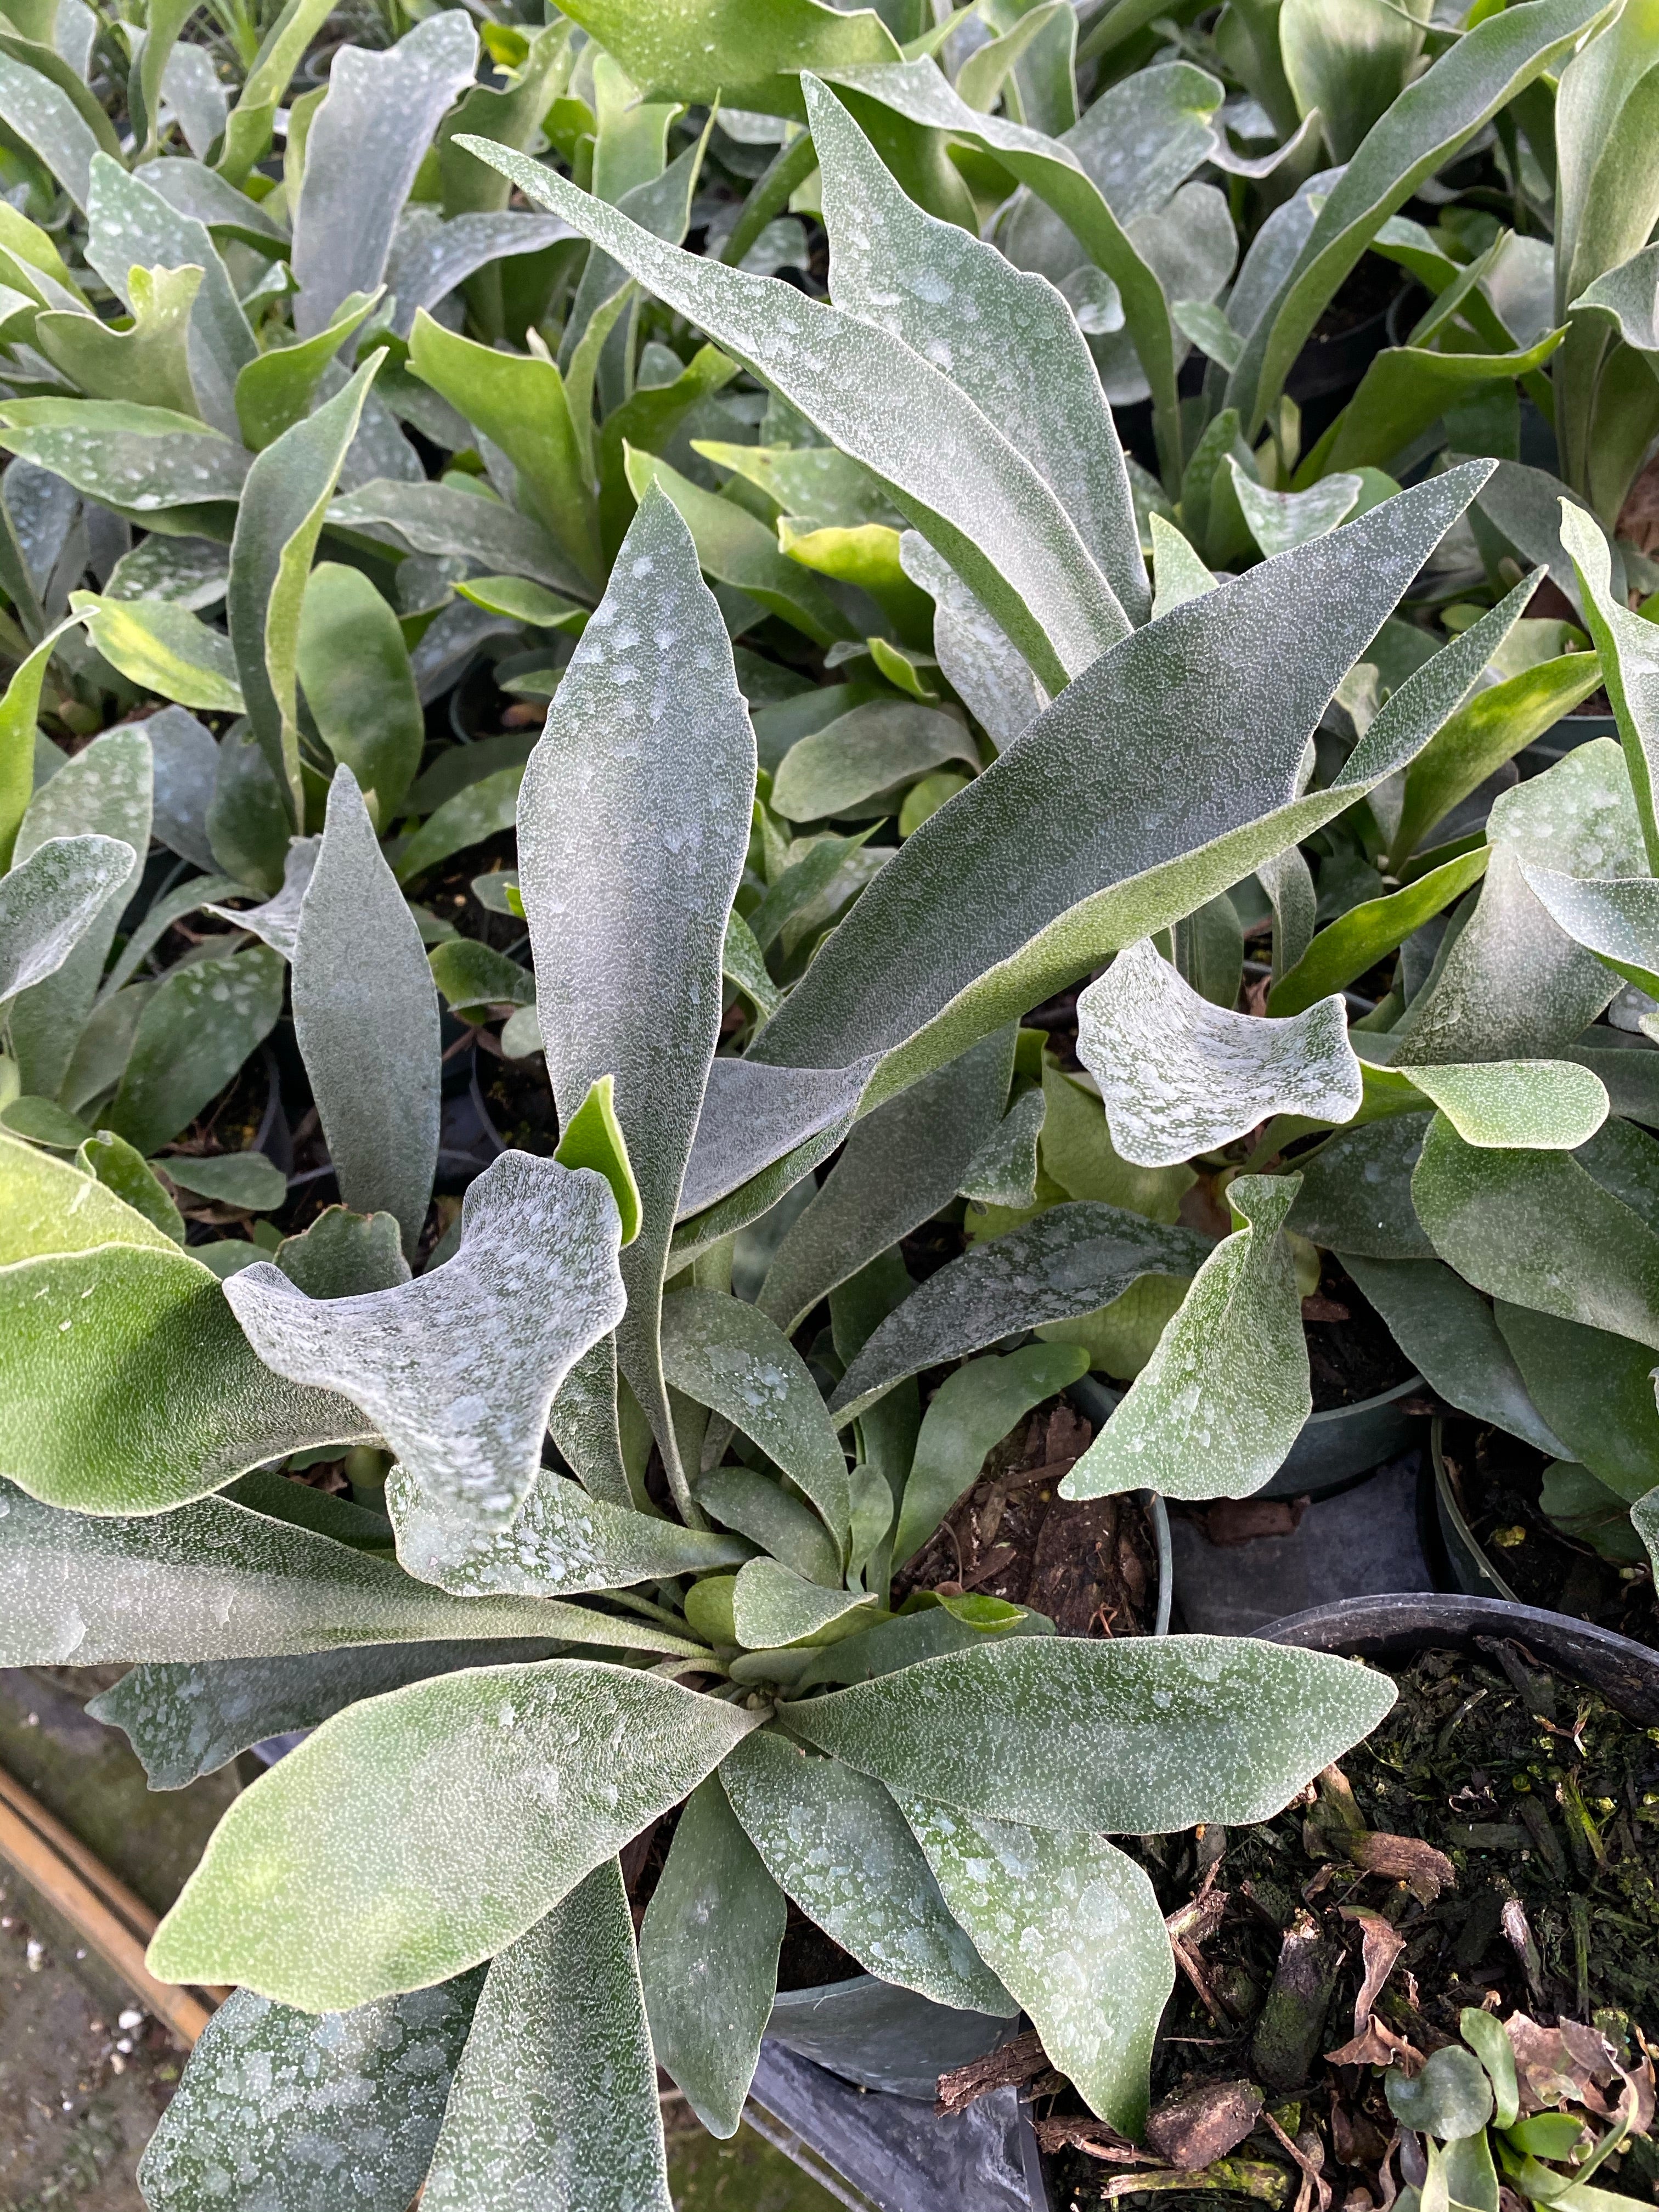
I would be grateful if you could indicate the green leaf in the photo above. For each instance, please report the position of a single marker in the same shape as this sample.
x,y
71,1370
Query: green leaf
x,y
1138,1736
899,1165
286,2099
1404,390
561,1541
872,748
520,402
1447,1331
1644,1519
164,648
752,1114
1179,1076
51,1208
835,1842
1617,920
342,1255
466,1416
512,115
1008,343
772,1606
105,791
50,901
728,1355
519,1767
1491,2046
366,141
1356,1193
1280,520
1223,1397
18,708
1358,939
353,667
1449,2098
50,124
129,1175
1538,1105
1068,1261
735,548
1629,650
275,921
1003,1172
818,485
762,1509
555,2099
973,1409
1349,58
147,363
975,653
592,1138
248,133
709,1959
43,1122
479,810
437,518
523,601
978,948
141,460
1075,1931
1535,1229
244,1179
277,525
366,1019
474,979
1078,1153
1596,1391
712,49
988,510
630,849
275,390
743,962
1423,127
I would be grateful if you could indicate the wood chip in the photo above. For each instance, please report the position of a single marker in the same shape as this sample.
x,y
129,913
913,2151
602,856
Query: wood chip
x,y
1195,2129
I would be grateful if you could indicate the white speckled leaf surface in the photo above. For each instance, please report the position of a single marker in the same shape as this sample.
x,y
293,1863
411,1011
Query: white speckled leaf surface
x,y
336,2113
1629,647
1217,1408
981,661
835,1842
1137,1737
458,1369
554,2101
1537,1105
1070,1260
490,1797
708,1958
1006,340
728,1355
634,821
1075,1931
584,1426
561,1541
752,1114
49,902
275,921
1279,519
772,1605
1180,1076
215,1581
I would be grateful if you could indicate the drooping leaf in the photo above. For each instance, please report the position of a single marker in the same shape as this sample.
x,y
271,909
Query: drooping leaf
x,y
49,903
519,1767
1447,1331
728,1355
1144,1734
1217,1408
366,141
630,853
365,1018
141,459
317,2114
973,1409
835,1841
1069,1261
1074,1930
709,1959
555,2099
458,1368
1179,1076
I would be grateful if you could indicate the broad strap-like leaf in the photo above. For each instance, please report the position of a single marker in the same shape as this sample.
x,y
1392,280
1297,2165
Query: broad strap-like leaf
x,y
539,1772
709,1959
1538,1229
1002,337
772,1606
1069,1261
633,828
554,2100
365,1018
291,2102
711,48
1217,1408
1446,1329
366,143
1306,966
980,660
195,1030
726,1354
973,1409
1595,1389
49,903
759,1507
1179,1076
1074,1928
752,1114
835,1841
561,1541
1483,71
458,1369
278,521
1356,1193
900,1165
185,1718
987,509
1534,1105
1629,648
137,459
430,257
585,1427
275,921
1141,1736
438,517
955,936
1279,519
214,1580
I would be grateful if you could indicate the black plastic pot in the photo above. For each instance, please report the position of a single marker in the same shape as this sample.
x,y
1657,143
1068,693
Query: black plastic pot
x,y
1468,1567
1348,1440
